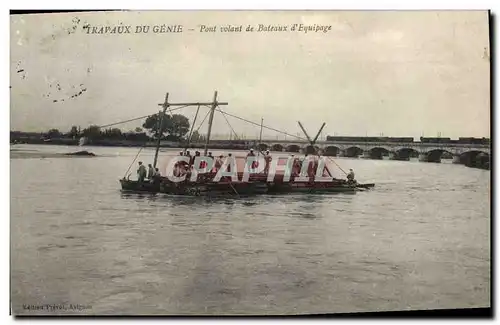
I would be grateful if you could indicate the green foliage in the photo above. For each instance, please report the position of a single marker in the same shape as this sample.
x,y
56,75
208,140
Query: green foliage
x,y
173,127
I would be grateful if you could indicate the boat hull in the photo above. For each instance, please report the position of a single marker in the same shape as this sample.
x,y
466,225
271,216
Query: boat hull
x,y
239,188
195,189
136,186
311,188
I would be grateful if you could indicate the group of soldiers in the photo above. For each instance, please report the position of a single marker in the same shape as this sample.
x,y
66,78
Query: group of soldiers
x,y
183,167
150,173
255,163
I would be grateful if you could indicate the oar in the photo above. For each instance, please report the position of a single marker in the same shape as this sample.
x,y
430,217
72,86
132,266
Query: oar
x,y
336,164
234,189
133,161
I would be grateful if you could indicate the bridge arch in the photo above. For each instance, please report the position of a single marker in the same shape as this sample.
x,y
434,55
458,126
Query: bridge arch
x,y
475,158
293,148
262,147
277,147
406,153
311,149
353,151
434,155
378,152
331,151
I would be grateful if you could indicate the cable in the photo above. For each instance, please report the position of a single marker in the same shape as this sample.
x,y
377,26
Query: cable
x,y
192,128
133,161
258,124
202,121
134,119
236,135
137,118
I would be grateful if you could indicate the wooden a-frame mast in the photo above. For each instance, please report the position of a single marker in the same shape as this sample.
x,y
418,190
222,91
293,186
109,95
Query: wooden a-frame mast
x,y
213,105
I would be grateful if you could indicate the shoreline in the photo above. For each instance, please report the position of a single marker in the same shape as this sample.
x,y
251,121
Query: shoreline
x,y
130,144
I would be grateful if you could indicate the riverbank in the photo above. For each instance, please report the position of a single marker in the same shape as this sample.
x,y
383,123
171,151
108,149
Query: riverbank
x,y
130,143
23,154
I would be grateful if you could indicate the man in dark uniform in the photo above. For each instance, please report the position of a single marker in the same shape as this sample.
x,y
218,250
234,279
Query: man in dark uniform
x,y
350,176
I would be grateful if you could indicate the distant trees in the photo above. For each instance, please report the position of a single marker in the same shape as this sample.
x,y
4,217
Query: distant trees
x,y
74,132
92,132
53,133
197,137
173,127
113,133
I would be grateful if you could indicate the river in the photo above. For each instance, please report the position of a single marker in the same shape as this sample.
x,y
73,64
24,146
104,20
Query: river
x,y
419,240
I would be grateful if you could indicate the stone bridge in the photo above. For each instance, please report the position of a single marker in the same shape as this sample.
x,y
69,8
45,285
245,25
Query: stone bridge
x,y
430,152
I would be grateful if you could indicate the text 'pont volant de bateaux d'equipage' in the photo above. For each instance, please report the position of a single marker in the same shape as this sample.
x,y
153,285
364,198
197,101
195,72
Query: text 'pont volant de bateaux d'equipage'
x,y
201,28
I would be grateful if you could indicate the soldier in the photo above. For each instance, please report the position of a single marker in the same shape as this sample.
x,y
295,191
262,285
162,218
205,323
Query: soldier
x,y
268,160
157,176
218,163
229,159
141,172
188,154
151,172
350,176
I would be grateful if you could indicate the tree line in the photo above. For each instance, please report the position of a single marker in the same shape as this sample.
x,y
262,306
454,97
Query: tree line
x,y
174,127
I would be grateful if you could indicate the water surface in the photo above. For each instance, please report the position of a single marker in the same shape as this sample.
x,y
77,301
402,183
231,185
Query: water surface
x,y
419,240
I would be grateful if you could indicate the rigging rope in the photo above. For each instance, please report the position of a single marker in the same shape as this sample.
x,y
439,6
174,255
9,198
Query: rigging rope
x,y
137,118
133,161
236,135
202,121
192,127
258,124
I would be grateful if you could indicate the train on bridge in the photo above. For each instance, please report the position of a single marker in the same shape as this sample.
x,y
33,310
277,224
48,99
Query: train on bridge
x,y
467,140
484,141
369,139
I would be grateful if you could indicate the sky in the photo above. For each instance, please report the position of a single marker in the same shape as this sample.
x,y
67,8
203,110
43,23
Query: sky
x,y
396,73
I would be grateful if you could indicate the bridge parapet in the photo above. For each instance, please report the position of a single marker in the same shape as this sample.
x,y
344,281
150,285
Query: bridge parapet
x,y
454,148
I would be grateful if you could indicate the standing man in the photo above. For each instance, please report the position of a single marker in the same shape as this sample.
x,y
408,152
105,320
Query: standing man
x,y
151,172
141,172
250,154
229,160
267,159
350,176
218,163
188,154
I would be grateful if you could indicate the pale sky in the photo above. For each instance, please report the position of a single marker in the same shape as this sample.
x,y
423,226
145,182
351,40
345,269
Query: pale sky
x,y
396,73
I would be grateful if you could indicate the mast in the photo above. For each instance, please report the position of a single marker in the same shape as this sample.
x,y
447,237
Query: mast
x,y
210,120
192,128
260,137
160,130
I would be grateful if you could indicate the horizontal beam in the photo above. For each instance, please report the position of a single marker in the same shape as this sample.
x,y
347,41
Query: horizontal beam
x,y
193,104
